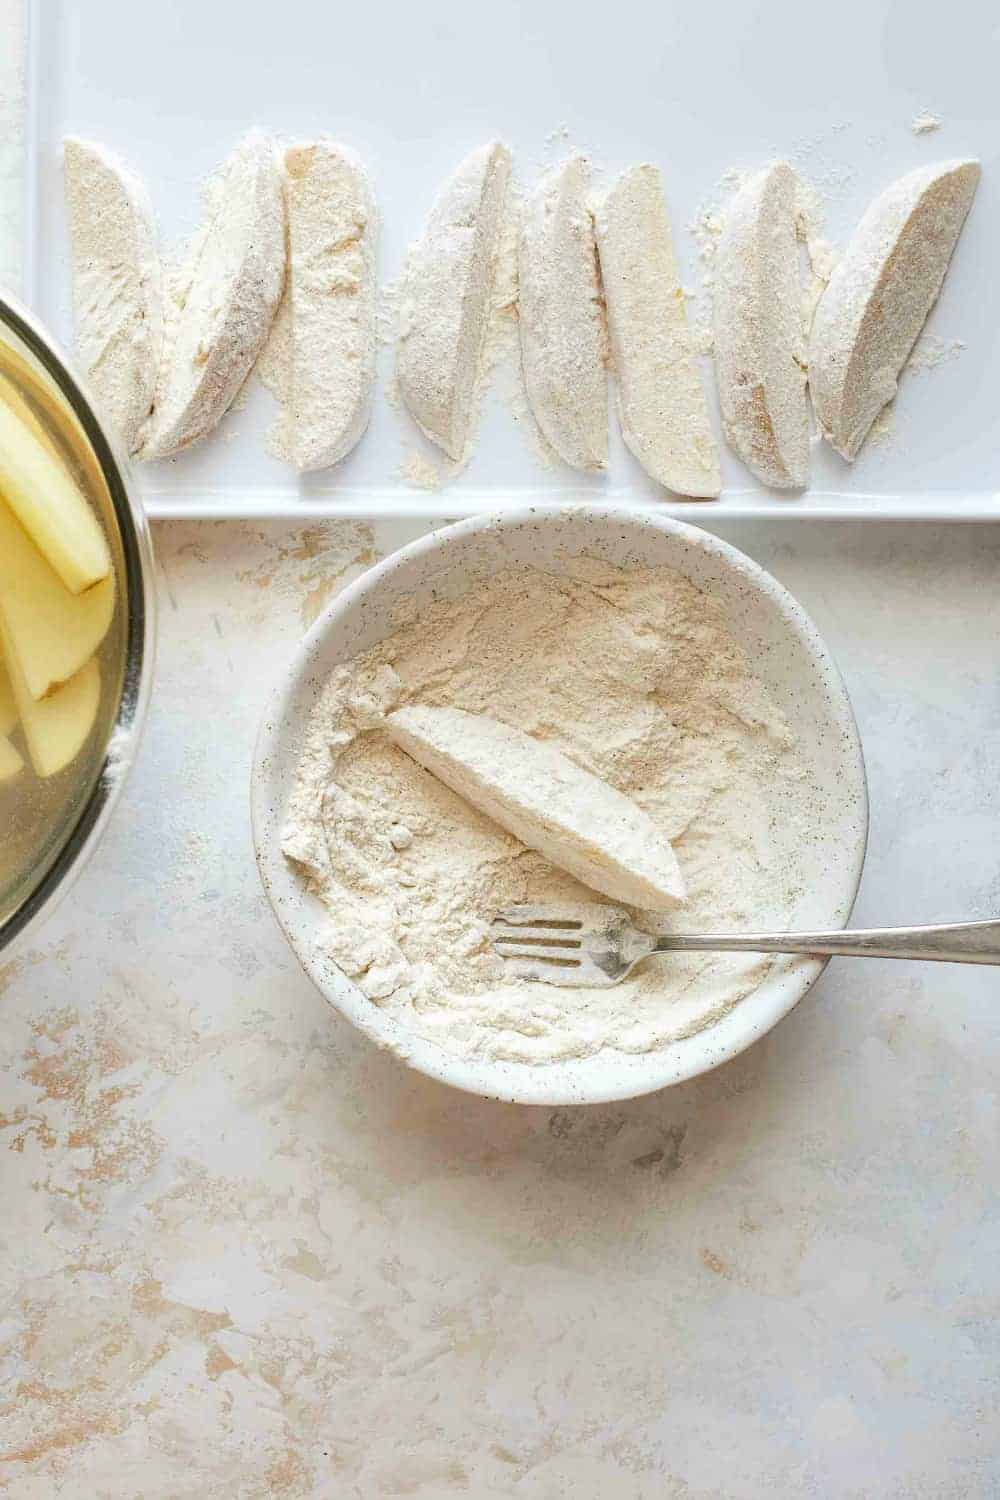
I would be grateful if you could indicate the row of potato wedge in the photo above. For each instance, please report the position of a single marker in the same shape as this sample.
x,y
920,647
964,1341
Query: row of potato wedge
x,y
57,597
595,275
591,269
166,364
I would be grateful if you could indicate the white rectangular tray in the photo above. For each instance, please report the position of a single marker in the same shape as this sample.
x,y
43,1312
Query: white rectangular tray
x,y
697,87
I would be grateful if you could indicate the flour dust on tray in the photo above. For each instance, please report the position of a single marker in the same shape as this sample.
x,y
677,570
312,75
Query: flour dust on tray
x,y
635,677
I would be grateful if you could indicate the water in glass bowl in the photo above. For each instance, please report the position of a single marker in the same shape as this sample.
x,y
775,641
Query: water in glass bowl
x,y
52,617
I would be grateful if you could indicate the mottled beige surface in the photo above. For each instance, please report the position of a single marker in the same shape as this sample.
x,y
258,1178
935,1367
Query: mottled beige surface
x,y
12,29
244,1255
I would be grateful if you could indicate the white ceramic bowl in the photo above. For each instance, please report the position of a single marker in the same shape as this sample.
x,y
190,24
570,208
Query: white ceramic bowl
x,y
787,653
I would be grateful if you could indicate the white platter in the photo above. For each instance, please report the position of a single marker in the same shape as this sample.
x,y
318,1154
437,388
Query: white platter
x,y
698,88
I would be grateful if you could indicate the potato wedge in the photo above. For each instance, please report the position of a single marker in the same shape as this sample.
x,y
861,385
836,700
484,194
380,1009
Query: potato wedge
x,y
561,319
448,288
576,820
661,396
45,498
56,728
117,284
50,631
879,295
759,346
236,278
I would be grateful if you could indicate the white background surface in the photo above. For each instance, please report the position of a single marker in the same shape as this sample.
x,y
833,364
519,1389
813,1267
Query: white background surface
x,y
242,1254
696,88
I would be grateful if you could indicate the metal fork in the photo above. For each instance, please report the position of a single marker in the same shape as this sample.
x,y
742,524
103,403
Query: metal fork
x,y
596,946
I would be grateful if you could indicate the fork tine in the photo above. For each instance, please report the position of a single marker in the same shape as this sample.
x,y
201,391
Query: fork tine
x,y
538,952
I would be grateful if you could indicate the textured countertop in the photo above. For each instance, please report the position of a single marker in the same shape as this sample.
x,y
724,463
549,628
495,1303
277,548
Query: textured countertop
x,y
12,70
244,1254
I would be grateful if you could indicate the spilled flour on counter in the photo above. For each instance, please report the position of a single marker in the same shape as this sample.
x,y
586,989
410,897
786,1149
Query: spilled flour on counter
x,y
635,676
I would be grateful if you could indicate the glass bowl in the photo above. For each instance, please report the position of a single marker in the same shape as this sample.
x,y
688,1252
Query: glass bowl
x,y
44,847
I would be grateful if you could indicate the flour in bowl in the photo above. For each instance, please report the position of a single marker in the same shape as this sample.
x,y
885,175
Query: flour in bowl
x,y
635,676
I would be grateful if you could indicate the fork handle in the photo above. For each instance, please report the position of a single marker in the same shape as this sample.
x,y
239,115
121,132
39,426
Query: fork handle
x,y
957,943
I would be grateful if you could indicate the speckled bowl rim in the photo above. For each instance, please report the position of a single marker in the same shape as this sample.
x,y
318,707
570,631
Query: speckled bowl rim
x,y
300,916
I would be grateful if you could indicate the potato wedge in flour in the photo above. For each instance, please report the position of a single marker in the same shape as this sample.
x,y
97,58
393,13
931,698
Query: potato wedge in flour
x,y
576,820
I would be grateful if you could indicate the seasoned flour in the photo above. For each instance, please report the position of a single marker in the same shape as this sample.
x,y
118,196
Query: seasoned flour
x,y
634,675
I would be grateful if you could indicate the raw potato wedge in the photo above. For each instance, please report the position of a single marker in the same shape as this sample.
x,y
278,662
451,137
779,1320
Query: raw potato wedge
x,y
50,631
879,295
56,728
561,318
759,343
661,397
574,819
332,232
235,286
448,289
8,708
117,284
10,762
45,498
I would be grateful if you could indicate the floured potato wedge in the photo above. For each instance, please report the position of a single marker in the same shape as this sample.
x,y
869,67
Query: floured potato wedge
x,y
561,318
576,820
661,396
117,284
760,352
332,232
879,295
447,294
236,281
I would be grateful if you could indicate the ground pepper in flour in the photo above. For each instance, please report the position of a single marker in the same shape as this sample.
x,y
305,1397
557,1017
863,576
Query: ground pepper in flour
x,y
635,676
